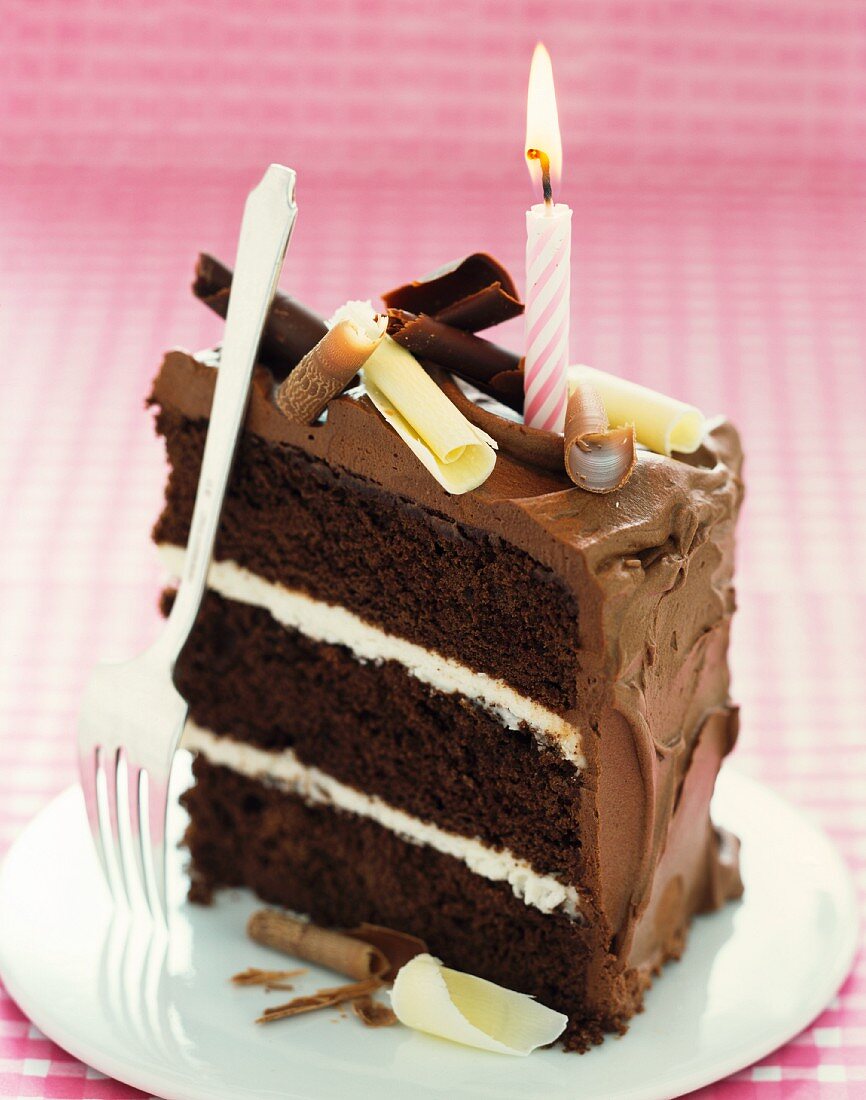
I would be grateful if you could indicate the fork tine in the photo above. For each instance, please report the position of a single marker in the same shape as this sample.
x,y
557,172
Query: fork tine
x,y
157,809
88,768
138,843
111,771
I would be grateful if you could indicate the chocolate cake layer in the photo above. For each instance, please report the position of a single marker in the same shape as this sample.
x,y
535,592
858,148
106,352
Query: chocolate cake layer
x,y
341,869
378,729
342,539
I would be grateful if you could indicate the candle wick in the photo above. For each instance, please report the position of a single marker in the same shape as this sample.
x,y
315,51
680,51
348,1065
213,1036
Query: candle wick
x,y
544,161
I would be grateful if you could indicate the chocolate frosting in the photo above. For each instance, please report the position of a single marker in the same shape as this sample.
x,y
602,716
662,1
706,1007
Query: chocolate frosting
x,y
651,569
532,446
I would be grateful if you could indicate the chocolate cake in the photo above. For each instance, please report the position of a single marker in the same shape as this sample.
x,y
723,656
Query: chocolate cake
x,y
493,720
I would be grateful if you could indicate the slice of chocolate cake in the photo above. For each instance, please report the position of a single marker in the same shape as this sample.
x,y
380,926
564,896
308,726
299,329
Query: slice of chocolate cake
x,y
493,720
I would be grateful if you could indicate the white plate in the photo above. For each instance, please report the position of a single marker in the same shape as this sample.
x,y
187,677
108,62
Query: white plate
x,y
167,1020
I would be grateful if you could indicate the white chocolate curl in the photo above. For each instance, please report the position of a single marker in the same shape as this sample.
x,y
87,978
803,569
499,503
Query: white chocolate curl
x,y
329,367
429,997
460,456
661,423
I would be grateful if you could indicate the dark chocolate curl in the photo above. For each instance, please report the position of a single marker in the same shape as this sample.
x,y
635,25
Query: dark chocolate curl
x,y
397,947
471,294
291,329
485,309
491,369
472,358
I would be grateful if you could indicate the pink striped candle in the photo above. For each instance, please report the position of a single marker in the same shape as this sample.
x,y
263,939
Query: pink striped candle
x,y
548,260
548,269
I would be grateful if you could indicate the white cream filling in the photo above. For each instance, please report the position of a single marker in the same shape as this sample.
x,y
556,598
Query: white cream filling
x,y
334,625
283,769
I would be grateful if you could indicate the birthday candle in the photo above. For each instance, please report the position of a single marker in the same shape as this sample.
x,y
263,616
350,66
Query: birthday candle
x,y
548,259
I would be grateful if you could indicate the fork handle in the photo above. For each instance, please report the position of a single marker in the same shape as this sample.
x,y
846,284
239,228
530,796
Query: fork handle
x,y
268,221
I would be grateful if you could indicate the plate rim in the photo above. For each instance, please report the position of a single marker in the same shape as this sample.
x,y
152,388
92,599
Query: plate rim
x,y
844,957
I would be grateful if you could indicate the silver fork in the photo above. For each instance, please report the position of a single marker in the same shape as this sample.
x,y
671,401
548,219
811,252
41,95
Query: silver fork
x,y
132,716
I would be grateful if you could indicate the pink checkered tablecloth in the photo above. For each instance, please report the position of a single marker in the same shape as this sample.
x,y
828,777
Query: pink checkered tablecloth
x,y
715,165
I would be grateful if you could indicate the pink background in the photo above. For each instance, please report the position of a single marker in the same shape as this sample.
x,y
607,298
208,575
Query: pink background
x,y
715,163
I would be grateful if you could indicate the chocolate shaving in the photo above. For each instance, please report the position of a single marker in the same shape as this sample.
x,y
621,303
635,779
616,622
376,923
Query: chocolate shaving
x,y
397,947
471,294
253,976
291,329
373,1013
324,998
530,445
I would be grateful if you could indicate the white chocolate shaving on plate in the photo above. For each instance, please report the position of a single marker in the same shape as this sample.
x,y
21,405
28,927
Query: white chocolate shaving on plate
x,y
429,997
661,423
459,455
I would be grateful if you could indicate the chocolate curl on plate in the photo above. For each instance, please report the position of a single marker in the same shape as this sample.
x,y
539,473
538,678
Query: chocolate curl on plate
x,y
354,958
470,294
478,361
530,445
397,947
291,329
330,366
597,457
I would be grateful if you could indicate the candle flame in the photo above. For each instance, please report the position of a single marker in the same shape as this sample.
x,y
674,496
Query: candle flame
x,y
542,120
